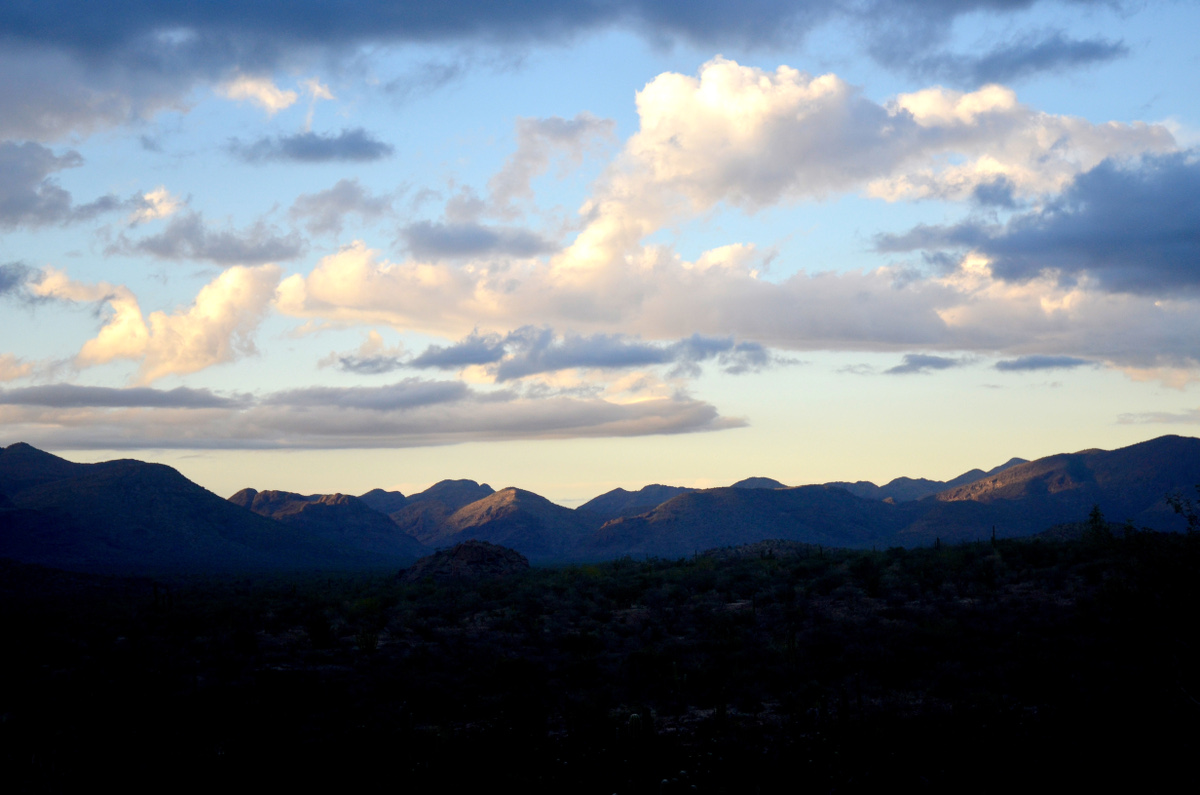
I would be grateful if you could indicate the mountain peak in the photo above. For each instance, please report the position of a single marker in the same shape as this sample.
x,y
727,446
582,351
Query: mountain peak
x,y
758,483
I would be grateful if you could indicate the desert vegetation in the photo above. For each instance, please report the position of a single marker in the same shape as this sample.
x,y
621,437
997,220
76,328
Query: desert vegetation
x,y
1072,659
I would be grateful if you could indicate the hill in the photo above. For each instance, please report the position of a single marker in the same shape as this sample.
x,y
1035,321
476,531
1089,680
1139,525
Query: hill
x,y
470,560
338,518
732,516
904,489
1129,484
519,519
619,502
132,516
423,515
386,502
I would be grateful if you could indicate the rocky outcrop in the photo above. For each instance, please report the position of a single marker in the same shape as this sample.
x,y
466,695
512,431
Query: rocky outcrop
x,y
470,560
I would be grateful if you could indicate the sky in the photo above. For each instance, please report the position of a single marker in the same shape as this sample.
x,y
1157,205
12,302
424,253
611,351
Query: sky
x,y
571,247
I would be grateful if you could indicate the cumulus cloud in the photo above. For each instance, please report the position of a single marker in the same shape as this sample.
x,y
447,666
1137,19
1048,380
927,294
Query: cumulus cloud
x,y
746,137
349,146
324,212
260,90
75,396
922,363
218,327
1039,362
1130,226
29,195
188,237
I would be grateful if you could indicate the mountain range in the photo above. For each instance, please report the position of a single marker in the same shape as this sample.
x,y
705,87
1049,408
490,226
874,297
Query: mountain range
x,y
133,516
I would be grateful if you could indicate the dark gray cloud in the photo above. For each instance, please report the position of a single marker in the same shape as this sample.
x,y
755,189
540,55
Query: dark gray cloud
x,y
997,193
530,351
74,65
474,349
369,365
1040,362
428,240
355,146
1006,63
922,363
324,212
13,276
1132,227
30,197
188,237
72,396
406,394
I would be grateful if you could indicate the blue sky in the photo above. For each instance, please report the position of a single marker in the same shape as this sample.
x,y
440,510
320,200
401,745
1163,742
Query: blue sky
x,y
571,247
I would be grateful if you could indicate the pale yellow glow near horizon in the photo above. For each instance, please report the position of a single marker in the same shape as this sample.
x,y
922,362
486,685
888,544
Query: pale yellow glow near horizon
x,y
808,424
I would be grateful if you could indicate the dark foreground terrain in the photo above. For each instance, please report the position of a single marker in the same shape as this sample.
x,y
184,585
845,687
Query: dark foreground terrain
x,y
1032,664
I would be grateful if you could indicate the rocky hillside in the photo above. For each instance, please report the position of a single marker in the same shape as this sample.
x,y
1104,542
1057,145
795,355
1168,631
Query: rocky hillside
x,y
470,560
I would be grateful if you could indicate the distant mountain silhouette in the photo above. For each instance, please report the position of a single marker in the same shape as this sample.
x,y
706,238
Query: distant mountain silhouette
x,y
1017,499
386,502
619,502
132,516
732,516
758,483
1128,483
425,512
339,518
905,489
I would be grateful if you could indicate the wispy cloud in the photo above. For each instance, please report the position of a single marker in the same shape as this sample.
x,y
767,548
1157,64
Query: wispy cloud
x,y
349,146
1039,362
922,363
74,396
188,236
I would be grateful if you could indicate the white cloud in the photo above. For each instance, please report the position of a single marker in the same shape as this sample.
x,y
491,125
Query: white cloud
x,y
259,90
747,137
158,203
218,327
316,91
12,368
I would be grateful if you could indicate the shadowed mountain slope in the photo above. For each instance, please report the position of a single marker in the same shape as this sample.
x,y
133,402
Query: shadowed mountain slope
x,y
1129,483
731,516
386,502
470,560
522,520
905,489
425,512
619,502
758,483
132,516
1023,499
338,518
